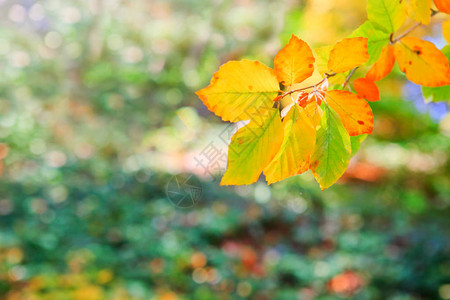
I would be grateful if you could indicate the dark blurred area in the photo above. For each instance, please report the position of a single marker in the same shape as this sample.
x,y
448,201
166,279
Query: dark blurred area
x,y
98,117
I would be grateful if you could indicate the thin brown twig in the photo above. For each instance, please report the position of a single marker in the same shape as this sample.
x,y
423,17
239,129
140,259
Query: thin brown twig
x,y
393,41
349,76
304,88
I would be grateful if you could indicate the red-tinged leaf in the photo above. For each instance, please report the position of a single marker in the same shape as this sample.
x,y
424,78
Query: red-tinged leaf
x,y
239,88
348,54
354,111
422,62
443,5
367,89
294,63
383,66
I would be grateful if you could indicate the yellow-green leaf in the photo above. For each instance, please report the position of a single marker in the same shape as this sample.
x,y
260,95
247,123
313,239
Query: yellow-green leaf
x,y
419,10
388,14
296,149
253,147
377,39
332,151
239,88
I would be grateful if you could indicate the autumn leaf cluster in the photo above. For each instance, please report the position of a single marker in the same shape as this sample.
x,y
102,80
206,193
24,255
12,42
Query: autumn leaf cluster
x,y
292,127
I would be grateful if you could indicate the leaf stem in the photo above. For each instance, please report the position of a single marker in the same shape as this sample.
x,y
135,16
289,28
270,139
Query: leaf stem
x,y
393,41
349,76
327,75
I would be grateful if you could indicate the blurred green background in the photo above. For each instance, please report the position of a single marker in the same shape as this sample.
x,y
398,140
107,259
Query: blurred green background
x,y
98,113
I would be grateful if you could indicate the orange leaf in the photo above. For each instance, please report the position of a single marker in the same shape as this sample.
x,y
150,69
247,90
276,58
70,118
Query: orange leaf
x,y
348,54
422,62
294,63
383,66
367,89
354,111
443,5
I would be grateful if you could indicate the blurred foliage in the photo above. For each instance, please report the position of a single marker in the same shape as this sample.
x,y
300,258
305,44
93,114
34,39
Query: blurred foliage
x,y
98,112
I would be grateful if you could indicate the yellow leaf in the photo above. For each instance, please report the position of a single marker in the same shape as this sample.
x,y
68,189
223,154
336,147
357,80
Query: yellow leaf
x,y
296,149
419,10
348,54
383,66
294,63
239,88
253,147
446,30
422,62
443,5
354,111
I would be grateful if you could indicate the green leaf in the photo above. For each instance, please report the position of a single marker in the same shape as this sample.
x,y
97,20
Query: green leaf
x,y
252,147
356,142
440,93
332,151
377,39
388,14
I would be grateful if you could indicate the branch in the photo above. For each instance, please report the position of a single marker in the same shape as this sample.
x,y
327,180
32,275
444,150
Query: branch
x,y
349,76
433,12
327,75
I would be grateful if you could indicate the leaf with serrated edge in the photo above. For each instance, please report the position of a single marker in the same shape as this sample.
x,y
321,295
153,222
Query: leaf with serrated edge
x,y
253,147
296,149
422,62
388,14
294,63
354,111
348,54
332,151
383,66
239,88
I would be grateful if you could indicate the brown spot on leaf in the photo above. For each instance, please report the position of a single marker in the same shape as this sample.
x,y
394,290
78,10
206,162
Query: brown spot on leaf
x,y
417,50
310,65
250,87
410,62
360,122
